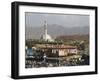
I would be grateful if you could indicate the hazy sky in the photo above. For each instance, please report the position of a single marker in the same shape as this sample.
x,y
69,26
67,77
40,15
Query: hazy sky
x,y
66,20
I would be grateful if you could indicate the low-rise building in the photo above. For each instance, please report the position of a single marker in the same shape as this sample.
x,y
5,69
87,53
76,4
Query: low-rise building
x,y
61,50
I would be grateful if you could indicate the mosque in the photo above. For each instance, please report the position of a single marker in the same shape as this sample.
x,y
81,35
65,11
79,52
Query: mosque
x,y
46,36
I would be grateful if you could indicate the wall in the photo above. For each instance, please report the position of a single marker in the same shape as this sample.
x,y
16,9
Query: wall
x,y
5,40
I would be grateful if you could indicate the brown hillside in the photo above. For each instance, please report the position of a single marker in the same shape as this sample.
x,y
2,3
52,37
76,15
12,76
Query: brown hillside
x,y
74,37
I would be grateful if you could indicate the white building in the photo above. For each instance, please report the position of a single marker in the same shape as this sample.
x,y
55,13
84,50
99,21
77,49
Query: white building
x,y
46,36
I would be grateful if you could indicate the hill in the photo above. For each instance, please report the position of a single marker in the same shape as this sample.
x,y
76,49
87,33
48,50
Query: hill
x,y
55,31
74,37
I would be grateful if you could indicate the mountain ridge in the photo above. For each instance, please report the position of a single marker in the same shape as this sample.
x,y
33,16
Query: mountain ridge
x,y
54,31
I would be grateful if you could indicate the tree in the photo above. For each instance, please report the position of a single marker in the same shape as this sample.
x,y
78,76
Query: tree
x,y
82,45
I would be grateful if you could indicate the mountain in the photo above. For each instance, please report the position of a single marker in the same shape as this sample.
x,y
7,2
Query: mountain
x,y
74,37
55,31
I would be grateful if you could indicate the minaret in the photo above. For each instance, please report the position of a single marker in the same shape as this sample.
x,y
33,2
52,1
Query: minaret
x,y
45,28
45,35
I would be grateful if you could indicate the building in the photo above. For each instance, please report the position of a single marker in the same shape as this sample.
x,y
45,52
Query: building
x,y
46,36
61,50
